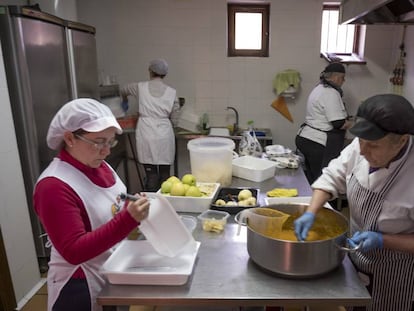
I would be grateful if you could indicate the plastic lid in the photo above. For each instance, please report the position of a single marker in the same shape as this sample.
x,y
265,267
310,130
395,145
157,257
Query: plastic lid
x,y
211,144
163,228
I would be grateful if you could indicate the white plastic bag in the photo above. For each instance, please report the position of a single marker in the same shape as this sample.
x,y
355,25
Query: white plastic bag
x,y
249,145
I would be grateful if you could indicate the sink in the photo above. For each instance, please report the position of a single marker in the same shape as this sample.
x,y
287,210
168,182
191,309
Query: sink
x,y
219,131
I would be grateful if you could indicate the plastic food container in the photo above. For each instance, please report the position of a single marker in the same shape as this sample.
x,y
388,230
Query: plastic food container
x,y
164,229
211,159
214,221
193,204
254,169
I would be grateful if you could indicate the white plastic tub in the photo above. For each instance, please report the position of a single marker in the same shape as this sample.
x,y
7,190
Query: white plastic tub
x,y
137,263
252,168
163,228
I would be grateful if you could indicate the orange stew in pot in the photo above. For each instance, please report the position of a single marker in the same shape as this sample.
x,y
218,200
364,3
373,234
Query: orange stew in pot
x,y
325,227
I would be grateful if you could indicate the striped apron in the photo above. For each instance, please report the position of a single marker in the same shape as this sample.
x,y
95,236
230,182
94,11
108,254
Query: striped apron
x,y
392,272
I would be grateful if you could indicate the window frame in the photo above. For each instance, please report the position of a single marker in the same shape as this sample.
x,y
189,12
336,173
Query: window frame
x,y
356,56
232,9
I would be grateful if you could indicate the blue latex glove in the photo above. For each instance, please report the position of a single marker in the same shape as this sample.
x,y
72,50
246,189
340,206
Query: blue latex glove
x,y
125,105
369,240
303,224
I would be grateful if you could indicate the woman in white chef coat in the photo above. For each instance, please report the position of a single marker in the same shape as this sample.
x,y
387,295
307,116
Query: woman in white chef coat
x,y
376,171
321,137
158,110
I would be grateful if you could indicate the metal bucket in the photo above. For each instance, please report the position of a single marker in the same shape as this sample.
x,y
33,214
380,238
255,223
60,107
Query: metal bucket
x,y
296,259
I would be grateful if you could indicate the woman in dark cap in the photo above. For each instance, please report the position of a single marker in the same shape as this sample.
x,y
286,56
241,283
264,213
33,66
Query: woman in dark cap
x,y
321,136
376,171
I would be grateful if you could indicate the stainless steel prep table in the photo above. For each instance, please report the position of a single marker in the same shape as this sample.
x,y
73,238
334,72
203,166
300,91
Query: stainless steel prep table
x,y
225,276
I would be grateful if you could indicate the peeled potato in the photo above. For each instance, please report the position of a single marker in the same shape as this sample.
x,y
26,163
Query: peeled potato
x,y
251,201
231,203
220,202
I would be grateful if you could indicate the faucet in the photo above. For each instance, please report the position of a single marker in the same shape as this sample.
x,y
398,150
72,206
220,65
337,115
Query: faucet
x,y
235,125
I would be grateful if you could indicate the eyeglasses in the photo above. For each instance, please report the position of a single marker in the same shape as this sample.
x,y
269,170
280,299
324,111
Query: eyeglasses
x,y
99,145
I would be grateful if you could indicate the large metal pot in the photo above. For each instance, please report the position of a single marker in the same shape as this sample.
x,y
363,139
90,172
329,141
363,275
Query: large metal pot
x,y
296,259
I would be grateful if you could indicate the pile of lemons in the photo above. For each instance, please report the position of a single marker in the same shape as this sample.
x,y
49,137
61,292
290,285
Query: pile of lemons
x,y
186,186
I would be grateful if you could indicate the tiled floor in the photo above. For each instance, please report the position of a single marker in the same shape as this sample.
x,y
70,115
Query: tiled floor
x,y
38,302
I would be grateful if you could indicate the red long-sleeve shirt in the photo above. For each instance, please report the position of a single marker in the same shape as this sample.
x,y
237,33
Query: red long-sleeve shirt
x,y
66,221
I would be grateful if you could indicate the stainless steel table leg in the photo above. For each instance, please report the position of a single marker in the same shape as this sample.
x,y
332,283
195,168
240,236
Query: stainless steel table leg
x,y
134,156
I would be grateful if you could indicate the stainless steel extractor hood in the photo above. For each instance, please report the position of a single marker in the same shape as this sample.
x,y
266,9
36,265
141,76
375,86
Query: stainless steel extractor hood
x,y
377,12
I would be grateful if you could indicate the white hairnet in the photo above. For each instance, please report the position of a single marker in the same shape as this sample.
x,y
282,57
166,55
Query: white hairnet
x,y
159,66
82,113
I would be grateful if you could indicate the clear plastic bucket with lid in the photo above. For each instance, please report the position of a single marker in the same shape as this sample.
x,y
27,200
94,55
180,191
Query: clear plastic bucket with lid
x,y
211,159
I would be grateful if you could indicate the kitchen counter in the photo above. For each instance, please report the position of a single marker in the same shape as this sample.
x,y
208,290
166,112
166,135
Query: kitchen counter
x,y
224,276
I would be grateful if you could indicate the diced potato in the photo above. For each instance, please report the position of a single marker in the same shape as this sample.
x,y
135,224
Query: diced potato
x,y
214,225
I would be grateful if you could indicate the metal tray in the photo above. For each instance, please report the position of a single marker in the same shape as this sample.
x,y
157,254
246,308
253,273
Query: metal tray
x,y
137,263
224,193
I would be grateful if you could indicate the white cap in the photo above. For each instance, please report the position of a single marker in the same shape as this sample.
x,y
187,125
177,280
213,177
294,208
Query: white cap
x,y
159,66
82,113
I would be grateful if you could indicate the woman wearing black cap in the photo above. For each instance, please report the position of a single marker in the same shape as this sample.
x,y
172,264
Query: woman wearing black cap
x,y
376,171
321,136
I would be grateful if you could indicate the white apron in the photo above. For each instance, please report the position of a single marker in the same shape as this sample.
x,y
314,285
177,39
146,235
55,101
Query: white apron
x,y
98,202
155,138
392,271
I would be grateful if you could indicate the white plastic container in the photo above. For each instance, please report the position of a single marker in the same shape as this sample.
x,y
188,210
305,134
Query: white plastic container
x,y
252,168
193,204
163,228
214,221
211,159
188,121
137,263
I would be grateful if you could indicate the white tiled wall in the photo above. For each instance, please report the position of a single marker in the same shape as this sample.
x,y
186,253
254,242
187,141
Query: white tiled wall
x,y
191,36
409,64
14,214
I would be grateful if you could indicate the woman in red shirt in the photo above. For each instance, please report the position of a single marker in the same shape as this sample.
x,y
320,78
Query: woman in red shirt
x,y
77,200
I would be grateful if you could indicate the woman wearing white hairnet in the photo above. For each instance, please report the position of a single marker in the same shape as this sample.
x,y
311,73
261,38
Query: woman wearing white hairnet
x,y
77,200
158,110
